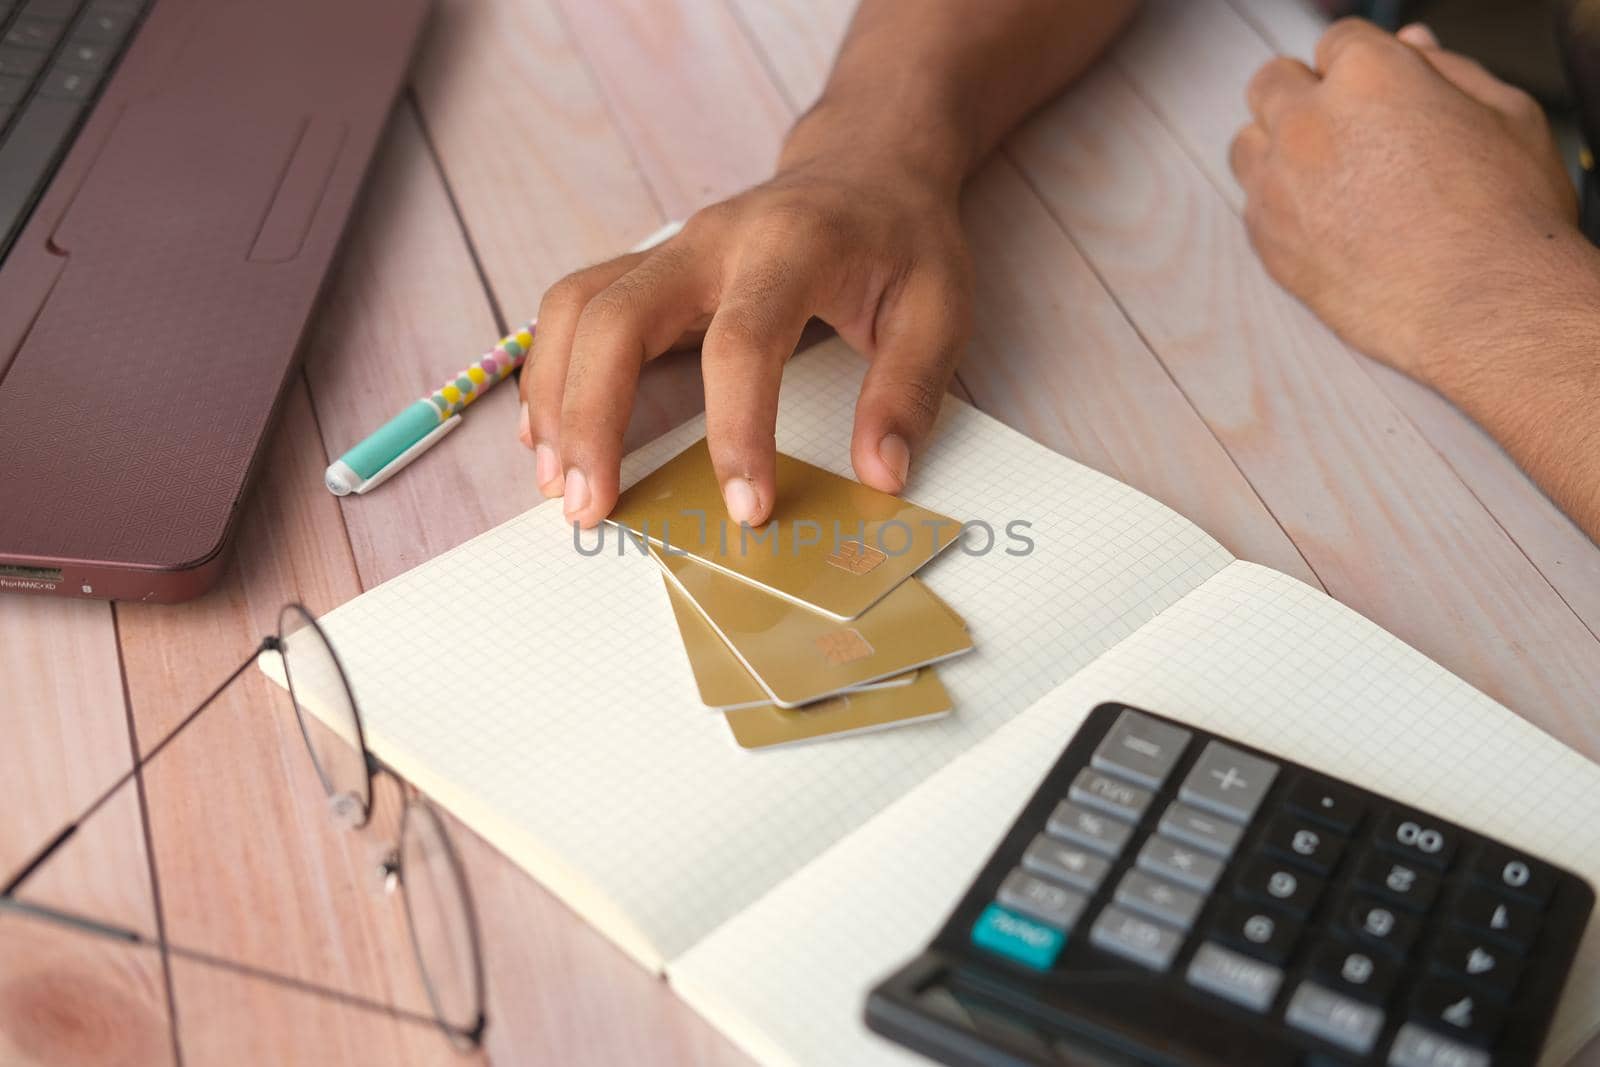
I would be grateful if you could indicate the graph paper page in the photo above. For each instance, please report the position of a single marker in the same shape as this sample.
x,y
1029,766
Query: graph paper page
x,y
544,697
1252,655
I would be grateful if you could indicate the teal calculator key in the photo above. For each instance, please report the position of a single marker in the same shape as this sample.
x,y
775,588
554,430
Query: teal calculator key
x,y
1021,940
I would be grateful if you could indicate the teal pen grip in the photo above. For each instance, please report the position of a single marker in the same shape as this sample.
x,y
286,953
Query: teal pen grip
x,y
392,438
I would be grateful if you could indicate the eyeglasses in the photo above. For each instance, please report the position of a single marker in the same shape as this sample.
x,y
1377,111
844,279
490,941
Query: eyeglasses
x,y
423,864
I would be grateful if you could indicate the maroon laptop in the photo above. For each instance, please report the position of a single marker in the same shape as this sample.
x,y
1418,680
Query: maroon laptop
x,y
175,177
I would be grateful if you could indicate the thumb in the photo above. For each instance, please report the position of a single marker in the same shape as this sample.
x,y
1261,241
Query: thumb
x,y
920,342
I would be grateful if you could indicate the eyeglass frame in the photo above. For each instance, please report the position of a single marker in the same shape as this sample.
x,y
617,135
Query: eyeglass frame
x,y
464,1039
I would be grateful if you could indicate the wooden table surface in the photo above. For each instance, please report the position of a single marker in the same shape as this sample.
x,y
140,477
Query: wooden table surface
x,y
1122,319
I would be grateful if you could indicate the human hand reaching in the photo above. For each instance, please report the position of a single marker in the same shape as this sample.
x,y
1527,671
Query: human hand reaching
x,y
1403,192
866,244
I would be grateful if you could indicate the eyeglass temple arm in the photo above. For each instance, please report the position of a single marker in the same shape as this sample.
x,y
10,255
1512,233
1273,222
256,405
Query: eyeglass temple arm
x,y
86,925
66,832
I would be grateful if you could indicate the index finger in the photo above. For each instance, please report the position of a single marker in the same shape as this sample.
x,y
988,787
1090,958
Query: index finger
x,y
1344,35
635,318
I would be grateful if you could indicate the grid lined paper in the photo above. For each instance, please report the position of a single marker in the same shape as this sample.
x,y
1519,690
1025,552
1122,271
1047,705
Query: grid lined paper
x,y
1253,655
545,699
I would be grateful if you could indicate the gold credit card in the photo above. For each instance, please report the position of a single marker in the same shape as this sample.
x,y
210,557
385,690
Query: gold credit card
x,y
849,713
798,655
832,544
723,682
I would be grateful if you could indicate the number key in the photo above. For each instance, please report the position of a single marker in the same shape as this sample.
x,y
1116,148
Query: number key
x,y
1311,847
1404,883
1378,924
1356,971
1259,932
1417,837
1281,886
1510,872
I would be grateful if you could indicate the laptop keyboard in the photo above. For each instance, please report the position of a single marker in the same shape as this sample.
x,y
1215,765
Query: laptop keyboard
x,y
54,57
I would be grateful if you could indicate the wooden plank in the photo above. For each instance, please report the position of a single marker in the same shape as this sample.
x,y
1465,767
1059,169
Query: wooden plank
x,y
250,866
1292,26
798,39
67,742
542,180
1379,516
694,143
1054,356
65,997
405,312
1190,61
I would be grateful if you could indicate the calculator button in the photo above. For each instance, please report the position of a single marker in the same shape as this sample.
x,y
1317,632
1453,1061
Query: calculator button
x,y
1093,831
1095,790
1417,837
1334,1017
1403,882
1381,926
1159,900
1484,964
1222,972
1312,847
1227,782
1294,891
1506,921
1452,1008
1017,938
1510,872
1415,1047
1260,932
1180,863
1065,863
1330,803
1140,749
1054,905
1122,933
1356,971
1194,827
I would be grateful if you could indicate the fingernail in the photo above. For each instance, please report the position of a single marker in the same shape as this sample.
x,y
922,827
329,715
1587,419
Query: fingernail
x,y
896,455
1418,33
547,469
740,496
525,430
575,497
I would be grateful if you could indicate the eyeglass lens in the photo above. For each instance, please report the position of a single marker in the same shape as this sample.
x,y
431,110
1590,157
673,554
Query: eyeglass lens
x,y
443,927
327,715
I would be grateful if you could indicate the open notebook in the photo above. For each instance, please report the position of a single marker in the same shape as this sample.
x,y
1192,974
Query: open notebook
x,y
543,697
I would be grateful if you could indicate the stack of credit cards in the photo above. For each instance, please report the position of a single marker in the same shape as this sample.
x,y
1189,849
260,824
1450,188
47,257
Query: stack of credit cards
x,y
812,625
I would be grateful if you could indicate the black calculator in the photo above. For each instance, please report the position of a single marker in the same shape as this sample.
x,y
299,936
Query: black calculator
x,y
1171,897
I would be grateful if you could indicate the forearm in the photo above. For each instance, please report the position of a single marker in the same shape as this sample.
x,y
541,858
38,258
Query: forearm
x,y
934,86
1529,374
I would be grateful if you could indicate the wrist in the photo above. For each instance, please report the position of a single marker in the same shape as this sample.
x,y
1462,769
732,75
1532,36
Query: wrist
x,y
1532,323
908,139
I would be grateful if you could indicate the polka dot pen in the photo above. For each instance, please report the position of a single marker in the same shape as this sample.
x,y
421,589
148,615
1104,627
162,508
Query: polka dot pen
x,y
406,436
415,430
